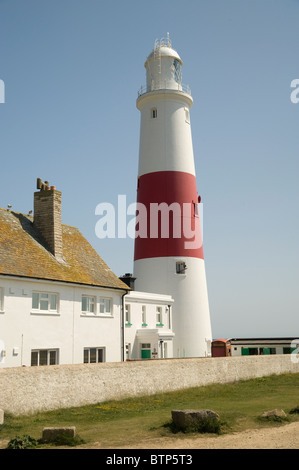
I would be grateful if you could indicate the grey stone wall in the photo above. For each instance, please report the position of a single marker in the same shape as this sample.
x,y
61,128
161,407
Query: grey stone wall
x,y
27,390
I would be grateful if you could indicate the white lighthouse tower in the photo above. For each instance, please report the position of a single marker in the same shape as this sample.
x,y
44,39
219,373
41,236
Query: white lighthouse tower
x,y
168,254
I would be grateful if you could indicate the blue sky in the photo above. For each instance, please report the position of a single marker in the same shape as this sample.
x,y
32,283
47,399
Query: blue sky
x,y
72,69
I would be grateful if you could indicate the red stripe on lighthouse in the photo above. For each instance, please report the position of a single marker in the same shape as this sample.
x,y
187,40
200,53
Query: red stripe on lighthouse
x,y
167,222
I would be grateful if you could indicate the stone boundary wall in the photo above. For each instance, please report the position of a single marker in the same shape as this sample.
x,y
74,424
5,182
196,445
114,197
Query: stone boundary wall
x,y
27,390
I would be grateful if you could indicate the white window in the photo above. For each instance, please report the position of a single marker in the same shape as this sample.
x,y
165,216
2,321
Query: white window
x,y
105,306
45,301
93,355
88,304
143,314
128,314
159,315
44,357
187,115
128,351
154,113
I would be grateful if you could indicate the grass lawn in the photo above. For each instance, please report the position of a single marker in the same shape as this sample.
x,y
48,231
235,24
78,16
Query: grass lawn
x,y
117,423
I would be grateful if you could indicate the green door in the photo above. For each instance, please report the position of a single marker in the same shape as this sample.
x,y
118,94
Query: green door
x,y
145,353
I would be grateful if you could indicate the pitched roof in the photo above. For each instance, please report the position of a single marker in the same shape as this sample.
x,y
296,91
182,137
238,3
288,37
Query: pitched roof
x,y
23,254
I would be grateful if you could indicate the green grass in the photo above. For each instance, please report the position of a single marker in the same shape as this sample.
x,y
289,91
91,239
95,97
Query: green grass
x,y
117,423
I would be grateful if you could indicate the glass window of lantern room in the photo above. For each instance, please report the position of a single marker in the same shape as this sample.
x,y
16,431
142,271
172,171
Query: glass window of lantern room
x,y
177,71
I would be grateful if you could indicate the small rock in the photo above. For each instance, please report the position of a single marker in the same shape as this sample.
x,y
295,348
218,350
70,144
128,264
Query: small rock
x,y
274,414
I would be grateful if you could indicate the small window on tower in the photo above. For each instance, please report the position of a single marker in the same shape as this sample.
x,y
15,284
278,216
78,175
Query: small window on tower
x,y
181,267
187,115
154,113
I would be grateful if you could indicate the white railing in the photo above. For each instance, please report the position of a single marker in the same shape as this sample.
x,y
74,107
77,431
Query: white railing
x,y
163,42
144,89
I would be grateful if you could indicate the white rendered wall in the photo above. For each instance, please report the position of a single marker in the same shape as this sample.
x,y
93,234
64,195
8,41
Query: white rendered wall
x,y
165,141
191,307
138,332
69,330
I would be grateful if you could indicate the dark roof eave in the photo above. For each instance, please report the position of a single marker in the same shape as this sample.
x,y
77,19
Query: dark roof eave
x,y
125,289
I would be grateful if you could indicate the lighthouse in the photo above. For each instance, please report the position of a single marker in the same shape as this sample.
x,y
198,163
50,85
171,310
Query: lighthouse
x,y
168,252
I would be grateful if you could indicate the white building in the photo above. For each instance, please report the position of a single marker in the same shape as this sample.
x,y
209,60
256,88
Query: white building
x,y
59,301
148,326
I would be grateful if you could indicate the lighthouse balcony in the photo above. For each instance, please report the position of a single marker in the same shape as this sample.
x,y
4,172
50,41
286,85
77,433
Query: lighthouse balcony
x,y
148,89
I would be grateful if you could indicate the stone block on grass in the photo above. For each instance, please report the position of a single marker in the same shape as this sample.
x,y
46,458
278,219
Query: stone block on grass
x,y
53,434
195,420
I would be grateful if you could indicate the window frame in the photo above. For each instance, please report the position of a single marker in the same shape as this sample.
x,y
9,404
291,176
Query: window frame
x,y
97,349
128,314
48,353
102,302
159,315
187,115
154,113
49,310
91,300
143,315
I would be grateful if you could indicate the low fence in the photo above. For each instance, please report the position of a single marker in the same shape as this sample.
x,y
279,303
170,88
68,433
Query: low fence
x,y
27,390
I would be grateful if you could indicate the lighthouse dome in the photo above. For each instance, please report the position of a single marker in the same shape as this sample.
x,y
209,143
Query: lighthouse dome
x,y
163,51
163,67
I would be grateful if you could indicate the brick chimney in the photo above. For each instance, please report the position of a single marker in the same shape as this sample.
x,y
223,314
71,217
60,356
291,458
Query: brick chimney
x,y
47,217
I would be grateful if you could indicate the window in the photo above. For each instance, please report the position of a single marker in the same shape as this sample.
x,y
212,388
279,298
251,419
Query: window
x,y
177,71
143,319
128,314
181,267
88,304
44,301
105,306
154,113
187,115
128,351
44,357
93,355
159,315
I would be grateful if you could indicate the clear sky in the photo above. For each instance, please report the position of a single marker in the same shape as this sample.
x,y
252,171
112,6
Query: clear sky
x,y
72,69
